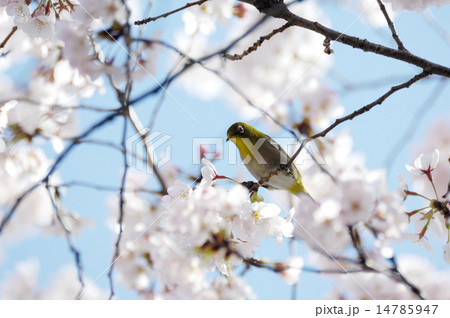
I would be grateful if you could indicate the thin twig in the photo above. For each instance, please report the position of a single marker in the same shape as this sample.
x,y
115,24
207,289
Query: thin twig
x,y
356,241
257,44
143,134
76,253
192,62
280,10
13,30
279,267
54,166
391,27
239,91
121,209
349,86
68,107
392,273
413,124
99,187
403,279
167,82
165,15
124,98
368,107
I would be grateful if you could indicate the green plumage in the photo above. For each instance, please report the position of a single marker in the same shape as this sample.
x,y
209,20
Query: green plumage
x,y
261,155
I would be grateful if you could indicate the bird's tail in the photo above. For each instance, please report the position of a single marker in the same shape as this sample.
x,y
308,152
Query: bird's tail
x,y
303,195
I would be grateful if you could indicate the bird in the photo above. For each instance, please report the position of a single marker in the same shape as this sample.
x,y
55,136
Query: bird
x,y
266,160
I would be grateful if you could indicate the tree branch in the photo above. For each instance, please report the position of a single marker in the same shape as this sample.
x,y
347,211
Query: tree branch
x,y
391,27
392,273
76,253
13,30
368,107
121,209
359,112
257,44
279,267
415,122
165,15
124,98
279,10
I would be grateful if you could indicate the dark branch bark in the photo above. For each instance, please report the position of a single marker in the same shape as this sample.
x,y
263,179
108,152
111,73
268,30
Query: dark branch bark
x,y
280,10
76,253
391,27
165,15
368,107
13,30
257,44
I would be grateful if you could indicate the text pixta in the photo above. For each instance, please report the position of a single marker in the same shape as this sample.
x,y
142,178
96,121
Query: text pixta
x,y
337,310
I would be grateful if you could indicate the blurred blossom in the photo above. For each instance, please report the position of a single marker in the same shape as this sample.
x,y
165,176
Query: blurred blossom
x,y
358,203
19,170
203,18
42,26
285,70
293,267
431,282
370,11
208,172
416,5
19,10
23,283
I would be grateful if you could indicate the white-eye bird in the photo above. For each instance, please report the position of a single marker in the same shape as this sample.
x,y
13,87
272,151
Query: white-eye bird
x,y
262,156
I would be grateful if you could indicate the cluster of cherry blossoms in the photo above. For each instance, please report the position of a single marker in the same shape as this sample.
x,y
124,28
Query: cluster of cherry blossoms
x,y
195,230
356,197
39,22
209,229
431,182
39,106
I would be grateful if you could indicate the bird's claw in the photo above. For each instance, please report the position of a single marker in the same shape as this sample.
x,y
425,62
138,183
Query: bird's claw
x,y
249,184
285,167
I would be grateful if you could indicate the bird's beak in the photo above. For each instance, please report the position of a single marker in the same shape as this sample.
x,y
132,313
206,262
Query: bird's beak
x,y
227,139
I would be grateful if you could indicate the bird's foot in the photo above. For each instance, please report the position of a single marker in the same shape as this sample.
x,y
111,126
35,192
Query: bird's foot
x,y
285,167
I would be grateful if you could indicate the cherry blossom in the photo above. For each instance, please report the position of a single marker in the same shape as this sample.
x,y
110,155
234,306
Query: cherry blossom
x,y
208,172
436,137
425,163
4,120
203,18
42,26
293,266
20,10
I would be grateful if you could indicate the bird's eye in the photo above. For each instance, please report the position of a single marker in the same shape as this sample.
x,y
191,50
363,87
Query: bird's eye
x,y
240,130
